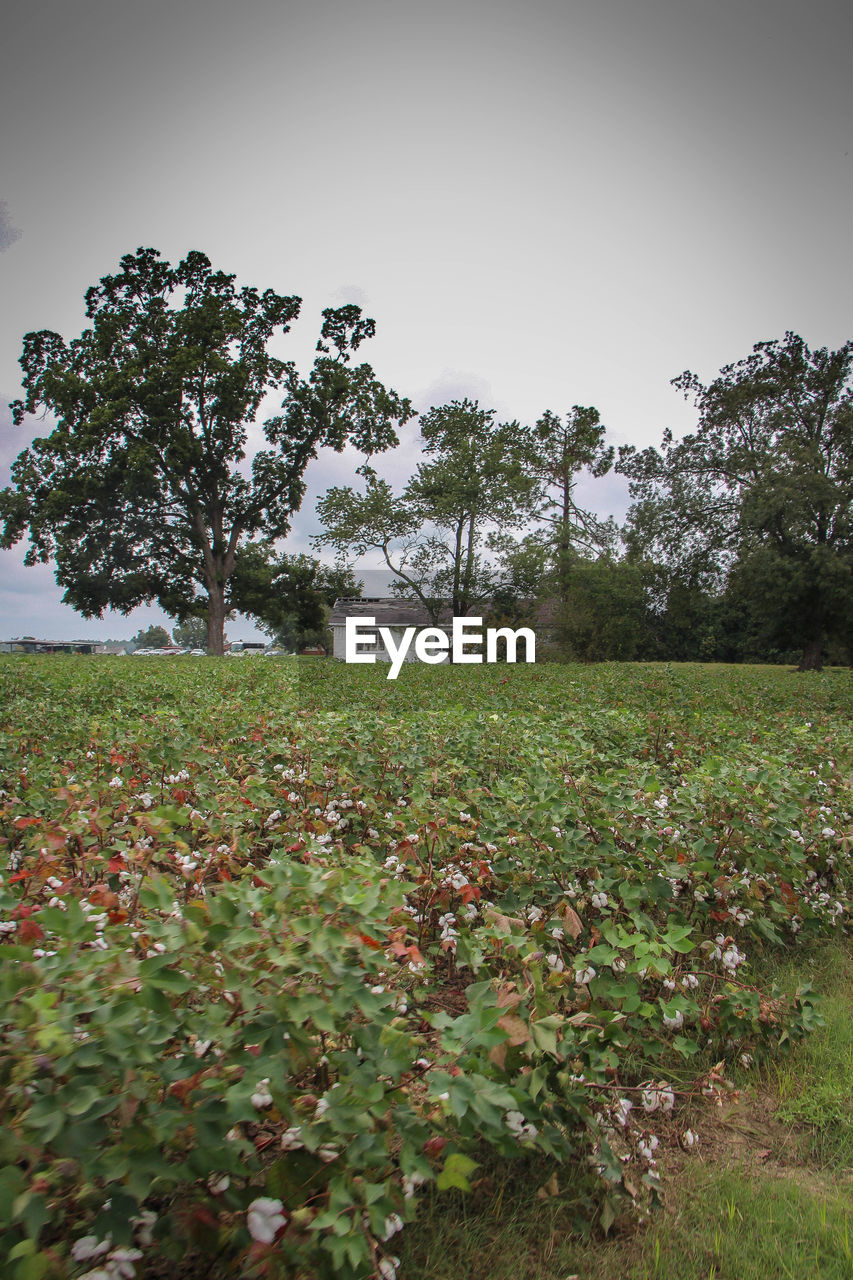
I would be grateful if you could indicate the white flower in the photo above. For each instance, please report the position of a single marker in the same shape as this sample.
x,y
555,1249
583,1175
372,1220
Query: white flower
x,y
116,782
262,1097
555,962
464,817
264,1219
584,976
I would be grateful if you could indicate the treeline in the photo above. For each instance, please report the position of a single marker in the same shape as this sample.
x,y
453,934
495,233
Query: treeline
x,y
737,546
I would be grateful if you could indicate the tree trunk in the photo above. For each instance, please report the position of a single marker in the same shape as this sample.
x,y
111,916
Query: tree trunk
x,y
216,619
812,659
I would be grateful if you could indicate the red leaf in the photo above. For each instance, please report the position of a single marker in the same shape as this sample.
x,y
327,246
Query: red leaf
x,y
29,931
370,942
434,1146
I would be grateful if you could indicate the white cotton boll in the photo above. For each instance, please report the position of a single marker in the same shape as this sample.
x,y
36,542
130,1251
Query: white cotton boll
x,y
121,1264
620,1111
89,1247
393,1224
674,1020
264,1219
262,1098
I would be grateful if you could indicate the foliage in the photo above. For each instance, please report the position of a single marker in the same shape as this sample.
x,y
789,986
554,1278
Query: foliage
x,y
603,613
192,634
138,492
764,484
435,536
291,596
561,450
284,943
152,638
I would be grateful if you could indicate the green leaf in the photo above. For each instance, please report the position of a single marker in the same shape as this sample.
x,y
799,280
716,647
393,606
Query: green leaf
x,y
455,1172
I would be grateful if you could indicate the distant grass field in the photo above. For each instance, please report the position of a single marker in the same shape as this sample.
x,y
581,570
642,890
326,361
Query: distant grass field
x,y
548,963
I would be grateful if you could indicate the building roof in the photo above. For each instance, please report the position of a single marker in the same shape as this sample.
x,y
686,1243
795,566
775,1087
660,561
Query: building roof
x,y
387,610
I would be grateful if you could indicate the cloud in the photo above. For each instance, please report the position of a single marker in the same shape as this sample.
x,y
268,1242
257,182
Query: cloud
x,y
455,384
8,233
352,293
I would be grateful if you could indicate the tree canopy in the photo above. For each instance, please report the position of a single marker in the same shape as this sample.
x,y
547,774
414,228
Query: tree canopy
x,y
433,537
561,449
762,492
144,490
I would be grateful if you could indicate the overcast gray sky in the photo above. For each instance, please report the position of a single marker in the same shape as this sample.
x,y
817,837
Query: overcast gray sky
x,y
540,203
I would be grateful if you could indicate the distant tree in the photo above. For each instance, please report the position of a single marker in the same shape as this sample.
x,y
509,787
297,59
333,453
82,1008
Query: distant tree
x,y
562,449
766,484
191,634
290,596
152,638
141,491
436,536
603,616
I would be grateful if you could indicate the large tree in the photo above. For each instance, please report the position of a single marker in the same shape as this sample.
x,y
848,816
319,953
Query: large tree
x,y
143,489
436,536
764,483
